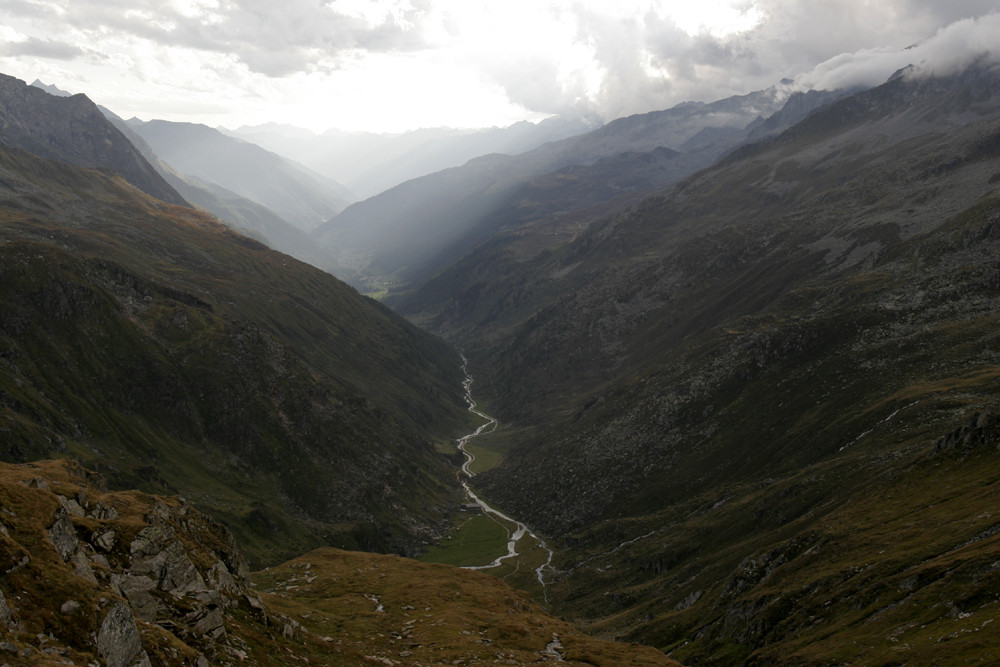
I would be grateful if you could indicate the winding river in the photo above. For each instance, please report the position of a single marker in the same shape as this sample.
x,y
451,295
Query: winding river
x,y
521,531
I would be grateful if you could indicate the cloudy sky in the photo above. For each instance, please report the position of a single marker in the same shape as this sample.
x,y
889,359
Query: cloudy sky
x,y
392,65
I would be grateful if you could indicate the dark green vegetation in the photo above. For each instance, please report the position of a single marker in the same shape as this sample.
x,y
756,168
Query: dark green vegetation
x,y
174,355
759,409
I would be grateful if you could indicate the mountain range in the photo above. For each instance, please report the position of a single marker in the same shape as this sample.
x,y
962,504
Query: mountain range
x,y
742,357
68,129
372,163
406,234
304,199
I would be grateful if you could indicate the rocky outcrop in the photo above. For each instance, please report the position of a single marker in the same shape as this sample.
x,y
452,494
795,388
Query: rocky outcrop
x,y
128,578
982,428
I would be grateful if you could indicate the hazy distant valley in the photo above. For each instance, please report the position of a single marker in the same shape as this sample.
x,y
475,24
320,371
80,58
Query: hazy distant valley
x,y
742,358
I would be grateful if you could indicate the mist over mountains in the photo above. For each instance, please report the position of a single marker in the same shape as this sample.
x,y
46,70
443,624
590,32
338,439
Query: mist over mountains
x,y
371,163
743,358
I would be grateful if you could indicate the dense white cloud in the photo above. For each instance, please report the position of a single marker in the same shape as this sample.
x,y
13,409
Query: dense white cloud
x,y
393,64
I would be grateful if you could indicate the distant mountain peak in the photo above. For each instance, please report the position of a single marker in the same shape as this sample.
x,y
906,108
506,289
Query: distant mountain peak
x,y
51,89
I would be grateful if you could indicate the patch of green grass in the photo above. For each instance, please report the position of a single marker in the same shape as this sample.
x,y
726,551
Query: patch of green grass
x,y
477,541
487,458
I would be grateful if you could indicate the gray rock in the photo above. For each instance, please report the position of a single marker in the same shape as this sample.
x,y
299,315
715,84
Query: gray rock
x,y
138,591
157,553
104,512
71,506
220,579
208,622
7,616
69,607
105,540
81,566
118,641
62,534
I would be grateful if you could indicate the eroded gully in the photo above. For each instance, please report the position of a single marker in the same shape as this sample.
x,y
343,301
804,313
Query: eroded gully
x,y
521,531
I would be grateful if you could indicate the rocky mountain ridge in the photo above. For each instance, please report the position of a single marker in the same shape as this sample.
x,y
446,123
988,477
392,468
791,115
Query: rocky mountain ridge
x,y
245,216
408,234
303,199
73,130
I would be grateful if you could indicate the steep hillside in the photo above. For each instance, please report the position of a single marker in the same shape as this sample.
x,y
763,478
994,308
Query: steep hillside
x,y
173,354
759,409
546,212
245,216
408,235
303,199
409,232
125,578
73,130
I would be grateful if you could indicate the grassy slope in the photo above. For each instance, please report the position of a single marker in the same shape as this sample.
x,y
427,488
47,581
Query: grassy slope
x,y
163,348
420,613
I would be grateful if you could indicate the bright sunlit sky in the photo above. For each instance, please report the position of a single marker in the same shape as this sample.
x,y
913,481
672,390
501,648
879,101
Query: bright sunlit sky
x,y
393,65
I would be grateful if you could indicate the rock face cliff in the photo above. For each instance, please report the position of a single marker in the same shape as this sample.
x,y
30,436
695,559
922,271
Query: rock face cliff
x,y
73,130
